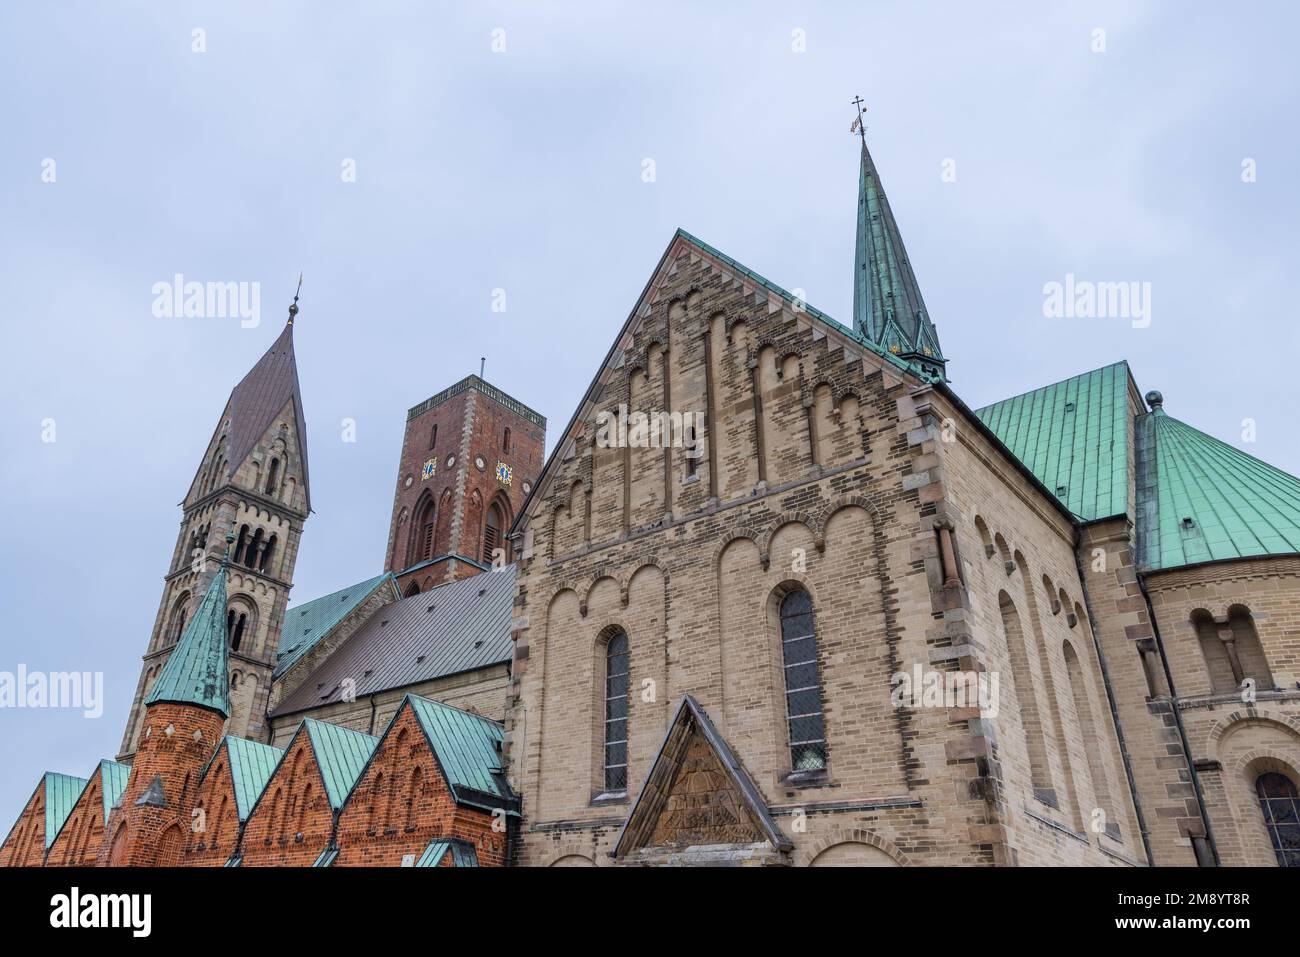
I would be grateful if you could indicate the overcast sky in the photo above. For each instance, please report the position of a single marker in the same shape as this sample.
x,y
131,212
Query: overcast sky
x,y
523,169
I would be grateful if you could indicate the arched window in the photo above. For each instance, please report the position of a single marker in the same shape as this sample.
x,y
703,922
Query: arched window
x,y
254,547
272,476
303,809
492,531
433,437
1281,806
235,623
422,532
413,798
267,554
241,545
412,589
505,441
616,672
803,689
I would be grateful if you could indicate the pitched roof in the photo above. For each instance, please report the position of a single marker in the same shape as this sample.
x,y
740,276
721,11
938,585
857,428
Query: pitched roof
x,y
887,305
61,793
306,624
251,766
1202,500
467,747
341,754
260,396
112,783
449,629
1073,436
196,670
462,853
691,719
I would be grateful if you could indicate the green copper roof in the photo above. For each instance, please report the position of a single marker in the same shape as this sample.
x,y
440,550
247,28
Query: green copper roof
x,y
467,750
61,793
196,670
1073,436
306,624
341,754
1202,500
887,306
251,766
462,854
112,783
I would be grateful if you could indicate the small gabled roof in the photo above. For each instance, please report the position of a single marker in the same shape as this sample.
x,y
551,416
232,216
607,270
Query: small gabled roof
x,y
308,623
197,669
1073,436
467,748
691,719
1202,500
462,853
452,628
251,766
112,783
260,396
61,794
340,753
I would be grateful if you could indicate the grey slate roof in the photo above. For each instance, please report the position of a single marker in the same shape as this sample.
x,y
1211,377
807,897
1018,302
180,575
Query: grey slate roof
x,y
259,397
456,627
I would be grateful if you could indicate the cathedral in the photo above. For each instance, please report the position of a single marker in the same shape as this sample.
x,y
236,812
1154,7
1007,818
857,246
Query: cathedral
x,y
778,596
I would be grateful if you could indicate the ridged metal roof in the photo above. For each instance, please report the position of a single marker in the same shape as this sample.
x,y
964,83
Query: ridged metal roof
x,y
197,669
456,627
112,783
462,853
61,793
341,754
1073,436
1202,500
468,750
260,396
251,766
306,624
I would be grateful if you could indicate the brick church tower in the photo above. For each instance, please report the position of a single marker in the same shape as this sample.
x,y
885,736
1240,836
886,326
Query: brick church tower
x,y
469,459
184,713
251,483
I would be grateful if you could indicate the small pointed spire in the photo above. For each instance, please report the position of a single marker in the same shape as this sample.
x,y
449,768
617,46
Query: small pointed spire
x,y
197,669
888,310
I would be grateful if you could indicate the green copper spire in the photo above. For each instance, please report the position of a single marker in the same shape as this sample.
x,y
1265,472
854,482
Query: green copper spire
x,y
888,310
196,670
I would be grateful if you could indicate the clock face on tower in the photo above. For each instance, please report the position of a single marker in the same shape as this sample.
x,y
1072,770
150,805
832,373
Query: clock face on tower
x,y
504,473
427,472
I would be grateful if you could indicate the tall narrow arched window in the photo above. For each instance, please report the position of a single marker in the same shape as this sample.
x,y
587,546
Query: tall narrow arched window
x,y
273,477
505,441
241,545
235,623
267,554
616,672
1280,803
422,531
805,725
254,546
492,531
433,437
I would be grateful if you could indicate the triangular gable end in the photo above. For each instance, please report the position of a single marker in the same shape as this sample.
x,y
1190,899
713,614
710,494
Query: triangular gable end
x,y
697,794
767,296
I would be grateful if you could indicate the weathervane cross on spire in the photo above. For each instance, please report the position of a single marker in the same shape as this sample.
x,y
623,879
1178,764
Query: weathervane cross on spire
x,y
858,126
293,306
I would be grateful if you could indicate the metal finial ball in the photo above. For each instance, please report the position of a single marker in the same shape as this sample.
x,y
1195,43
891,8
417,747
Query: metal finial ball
x,y
1155,399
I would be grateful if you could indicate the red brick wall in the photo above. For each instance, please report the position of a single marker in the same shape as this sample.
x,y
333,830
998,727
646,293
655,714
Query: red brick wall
x,y
78,842
25,845
215,831
157,835
402,802
294,803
